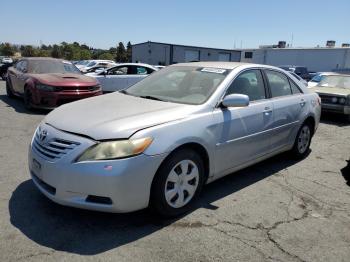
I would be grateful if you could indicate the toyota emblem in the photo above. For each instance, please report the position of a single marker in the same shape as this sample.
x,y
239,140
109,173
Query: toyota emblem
x,y
43,135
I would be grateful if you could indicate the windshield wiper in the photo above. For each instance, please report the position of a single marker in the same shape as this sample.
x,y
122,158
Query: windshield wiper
x,y
123,92
152,98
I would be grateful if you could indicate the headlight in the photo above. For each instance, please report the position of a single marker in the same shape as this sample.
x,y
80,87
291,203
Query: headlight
x,y
342,101
115,149
47,88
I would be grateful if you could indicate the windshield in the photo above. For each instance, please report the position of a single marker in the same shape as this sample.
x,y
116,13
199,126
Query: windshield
x,y
91,64
180,84
335,81
52,66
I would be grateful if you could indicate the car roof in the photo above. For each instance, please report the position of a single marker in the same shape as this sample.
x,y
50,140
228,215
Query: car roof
x,y
224,65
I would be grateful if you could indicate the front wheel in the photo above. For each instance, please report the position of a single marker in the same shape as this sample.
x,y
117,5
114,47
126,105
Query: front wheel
x,y
302,142
9,91
28,99
177,183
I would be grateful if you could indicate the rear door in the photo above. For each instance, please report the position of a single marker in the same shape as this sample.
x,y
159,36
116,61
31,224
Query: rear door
x,y
114,79
244,133
289,107
137,73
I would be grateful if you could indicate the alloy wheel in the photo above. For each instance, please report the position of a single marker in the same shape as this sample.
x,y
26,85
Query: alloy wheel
x,y
304,139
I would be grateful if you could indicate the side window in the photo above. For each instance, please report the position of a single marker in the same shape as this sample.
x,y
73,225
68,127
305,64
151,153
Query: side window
x,y
278,83
249,83
295,88
141,70
19,65
118,71
24,67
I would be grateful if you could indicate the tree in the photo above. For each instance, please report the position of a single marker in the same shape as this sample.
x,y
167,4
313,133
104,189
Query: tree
x,y
7,49
121,53
106,56
129,52
28,51
85,54
56,51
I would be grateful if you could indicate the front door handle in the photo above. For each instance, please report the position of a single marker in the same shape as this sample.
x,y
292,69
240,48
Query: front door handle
x,y
267,110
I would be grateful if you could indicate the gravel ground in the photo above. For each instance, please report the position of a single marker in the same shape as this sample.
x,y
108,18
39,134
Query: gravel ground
x,y
278,210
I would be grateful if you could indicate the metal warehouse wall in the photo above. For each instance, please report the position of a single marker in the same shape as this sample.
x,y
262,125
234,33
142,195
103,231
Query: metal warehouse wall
x,y
151,53
322,59
205,54
158,53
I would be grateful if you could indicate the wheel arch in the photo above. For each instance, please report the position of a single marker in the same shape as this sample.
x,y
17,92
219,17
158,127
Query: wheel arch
x,y
198,148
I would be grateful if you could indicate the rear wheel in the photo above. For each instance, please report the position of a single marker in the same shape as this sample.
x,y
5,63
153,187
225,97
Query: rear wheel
x,y
9,91
28,99
177,184
302,141
4,76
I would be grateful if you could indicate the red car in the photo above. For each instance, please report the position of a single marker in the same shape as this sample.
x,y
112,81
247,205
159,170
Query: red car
x,y
49,82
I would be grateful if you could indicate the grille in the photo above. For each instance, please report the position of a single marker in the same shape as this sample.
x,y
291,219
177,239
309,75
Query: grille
x,y
327,99
54,148
77,88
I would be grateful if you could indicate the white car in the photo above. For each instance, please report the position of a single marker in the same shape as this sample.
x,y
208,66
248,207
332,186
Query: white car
x,y
7,60
318,78
122,76
303,81
94,63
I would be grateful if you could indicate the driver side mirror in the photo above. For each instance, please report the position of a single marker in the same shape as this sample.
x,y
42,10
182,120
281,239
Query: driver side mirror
x,y
235,100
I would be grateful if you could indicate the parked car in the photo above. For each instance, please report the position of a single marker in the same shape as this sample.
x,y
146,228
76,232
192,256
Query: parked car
x,y
318,77
299,70
82,63
7,60
94,63
97,69
304,82
3,70
158,142
49,82
122,76
334,91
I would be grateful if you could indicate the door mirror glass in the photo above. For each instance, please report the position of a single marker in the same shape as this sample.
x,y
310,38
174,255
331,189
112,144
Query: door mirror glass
x,y
235,100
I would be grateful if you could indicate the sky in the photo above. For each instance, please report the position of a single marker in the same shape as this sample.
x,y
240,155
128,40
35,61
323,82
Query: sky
x,y
220,24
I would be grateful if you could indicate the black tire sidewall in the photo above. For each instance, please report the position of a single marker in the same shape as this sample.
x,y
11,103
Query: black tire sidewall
x,y
25,97
295,149
158,202
9,91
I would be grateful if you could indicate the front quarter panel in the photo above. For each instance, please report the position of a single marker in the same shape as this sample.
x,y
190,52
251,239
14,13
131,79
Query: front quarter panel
x,y
167,137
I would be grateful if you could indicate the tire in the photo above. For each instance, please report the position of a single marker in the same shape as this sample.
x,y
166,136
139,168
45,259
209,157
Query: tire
x,y
174,191
3,76
9,91
302,141
27,97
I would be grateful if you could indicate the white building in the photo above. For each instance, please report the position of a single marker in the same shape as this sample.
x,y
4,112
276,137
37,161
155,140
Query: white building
x,y
315,59
165,54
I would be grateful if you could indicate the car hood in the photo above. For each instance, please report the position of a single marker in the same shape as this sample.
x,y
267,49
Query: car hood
x,y
331,90
115,115
64,79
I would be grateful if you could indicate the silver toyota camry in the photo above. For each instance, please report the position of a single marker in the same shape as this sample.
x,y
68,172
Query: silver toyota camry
x,y
158,142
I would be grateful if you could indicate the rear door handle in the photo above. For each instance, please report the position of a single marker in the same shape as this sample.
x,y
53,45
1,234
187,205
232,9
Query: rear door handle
x,y
302,102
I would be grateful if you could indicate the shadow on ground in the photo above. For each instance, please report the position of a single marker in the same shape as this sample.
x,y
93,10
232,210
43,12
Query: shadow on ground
x,y
346,173
89,233
334,119
18,105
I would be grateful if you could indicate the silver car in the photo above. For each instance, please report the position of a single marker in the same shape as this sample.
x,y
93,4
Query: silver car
x,y
158,142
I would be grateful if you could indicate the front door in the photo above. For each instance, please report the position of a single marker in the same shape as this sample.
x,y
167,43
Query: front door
x,y
244,133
